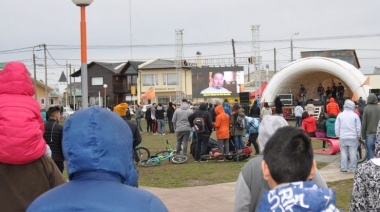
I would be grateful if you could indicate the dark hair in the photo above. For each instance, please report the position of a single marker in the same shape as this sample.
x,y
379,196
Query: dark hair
x,y
235,107
289,155
299,103
332,115
266,104
53,110
216,72
304,115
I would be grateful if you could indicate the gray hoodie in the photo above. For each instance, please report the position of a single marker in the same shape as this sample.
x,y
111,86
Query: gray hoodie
x,y
250,185
371,116
180,118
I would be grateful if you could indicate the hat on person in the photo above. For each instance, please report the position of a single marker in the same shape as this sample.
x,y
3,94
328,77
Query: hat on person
x,y
121,109
268,126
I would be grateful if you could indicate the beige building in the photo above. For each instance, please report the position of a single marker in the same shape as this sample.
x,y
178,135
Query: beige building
x,y
162,75
41,97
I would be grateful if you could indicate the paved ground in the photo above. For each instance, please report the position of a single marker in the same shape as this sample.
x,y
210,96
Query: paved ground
x,y
221,197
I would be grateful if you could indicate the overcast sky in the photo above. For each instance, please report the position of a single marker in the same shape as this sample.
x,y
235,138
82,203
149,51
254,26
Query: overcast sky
x,y
351,24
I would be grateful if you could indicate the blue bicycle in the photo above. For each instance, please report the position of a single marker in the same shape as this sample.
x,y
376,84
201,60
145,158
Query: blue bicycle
x,y
168,154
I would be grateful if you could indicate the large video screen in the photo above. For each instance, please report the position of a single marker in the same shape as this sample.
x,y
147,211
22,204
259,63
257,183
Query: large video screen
x,y
217,81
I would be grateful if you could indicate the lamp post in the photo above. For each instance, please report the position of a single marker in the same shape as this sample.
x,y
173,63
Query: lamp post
x,y
291,46
105,95
83,4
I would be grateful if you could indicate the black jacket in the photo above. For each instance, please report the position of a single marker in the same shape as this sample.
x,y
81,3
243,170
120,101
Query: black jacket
x,y
254,111
170,112
148,114
160,113
202,112
135,132
53,137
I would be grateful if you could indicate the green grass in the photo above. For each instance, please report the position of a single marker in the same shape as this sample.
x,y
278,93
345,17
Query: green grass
x,y
343,191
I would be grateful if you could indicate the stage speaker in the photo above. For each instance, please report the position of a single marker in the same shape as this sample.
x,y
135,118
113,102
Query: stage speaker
x,y
244,97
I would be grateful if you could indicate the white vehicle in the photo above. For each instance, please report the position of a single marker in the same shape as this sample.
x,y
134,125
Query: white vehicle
x,y
67,112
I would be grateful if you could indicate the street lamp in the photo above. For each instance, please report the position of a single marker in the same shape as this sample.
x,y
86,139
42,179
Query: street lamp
x,y
82,4
291,46
105,95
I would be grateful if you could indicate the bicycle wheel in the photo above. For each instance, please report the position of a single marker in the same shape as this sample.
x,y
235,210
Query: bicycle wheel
x,y
362,152
179,159
207,157
240,157
142,153
163,153
149,162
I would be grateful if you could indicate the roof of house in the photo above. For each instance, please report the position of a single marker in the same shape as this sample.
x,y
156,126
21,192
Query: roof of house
x,y
348,58
62,78
157,63
130,67
109,66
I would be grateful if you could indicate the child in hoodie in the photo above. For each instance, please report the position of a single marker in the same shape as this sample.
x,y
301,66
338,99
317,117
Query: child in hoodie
x,y
250,185
309,124
291,188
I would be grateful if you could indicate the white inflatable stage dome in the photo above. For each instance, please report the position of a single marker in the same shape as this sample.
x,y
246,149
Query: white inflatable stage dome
x,y
310,72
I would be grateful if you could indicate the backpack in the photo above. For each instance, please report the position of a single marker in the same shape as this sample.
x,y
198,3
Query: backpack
x,y
240,122
199,124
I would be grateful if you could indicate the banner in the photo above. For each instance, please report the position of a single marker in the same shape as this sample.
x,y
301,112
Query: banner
x,y
149,94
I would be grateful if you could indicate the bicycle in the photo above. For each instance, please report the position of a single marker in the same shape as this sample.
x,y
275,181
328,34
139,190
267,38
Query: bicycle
x,y
141,153
168,154
217,156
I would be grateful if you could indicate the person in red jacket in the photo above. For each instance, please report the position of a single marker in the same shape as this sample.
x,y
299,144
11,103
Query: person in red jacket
x,y
25,171
309,124
222,127
332,107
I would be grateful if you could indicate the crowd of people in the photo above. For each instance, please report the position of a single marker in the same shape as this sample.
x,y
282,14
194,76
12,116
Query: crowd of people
x,y
336,92
97,146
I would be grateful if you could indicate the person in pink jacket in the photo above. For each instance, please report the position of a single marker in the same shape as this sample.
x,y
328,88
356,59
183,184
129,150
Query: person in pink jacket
x,y
25,171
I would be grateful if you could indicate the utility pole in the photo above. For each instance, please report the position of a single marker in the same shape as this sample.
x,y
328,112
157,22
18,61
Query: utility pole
x,y
233,51
46,84
291,46
67,84
275,60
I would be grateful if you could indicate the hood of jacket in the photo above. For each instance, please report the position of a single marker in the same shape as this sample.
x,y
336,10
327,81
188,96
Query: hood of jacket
x,y
98,140
268,126
21,124
332,100
303,196
219,109
372,99
349,105
184,106
159,108
203,106
309,120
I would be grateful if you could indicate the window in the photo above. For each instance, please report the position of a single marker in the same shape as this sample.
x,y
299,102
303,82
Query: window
x,y
52,101
170,79
42,101
149,80
96,80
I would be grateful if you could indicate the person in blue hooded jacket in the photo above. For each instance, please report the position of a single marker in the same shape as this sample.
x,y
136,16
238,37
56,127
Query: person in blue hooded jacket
x,y
97,145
